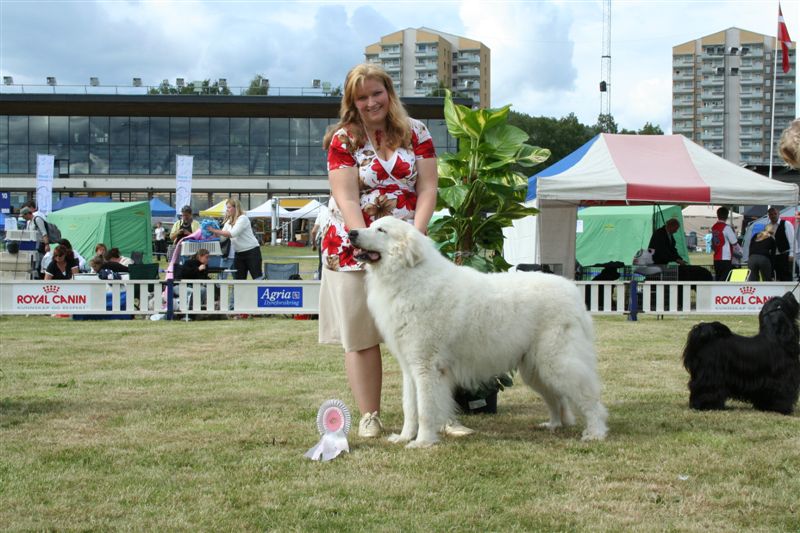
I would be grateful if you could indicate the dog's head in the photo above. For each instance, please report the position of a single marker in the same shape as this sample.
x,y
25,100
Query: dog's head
x,y
388,240
778,317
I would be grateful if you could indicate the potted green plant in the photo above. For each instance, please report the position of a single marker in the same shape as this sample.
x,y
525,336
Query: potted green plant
x,y
482,194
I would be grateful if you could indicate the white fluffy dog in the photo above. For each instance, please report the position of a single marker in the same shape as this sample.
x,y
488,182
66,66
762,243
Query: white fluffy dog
x,y
449,325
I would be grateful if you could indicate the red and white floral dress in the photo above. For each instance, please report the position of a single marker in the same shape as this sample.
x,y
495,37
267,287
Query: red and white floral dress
x,y
386,188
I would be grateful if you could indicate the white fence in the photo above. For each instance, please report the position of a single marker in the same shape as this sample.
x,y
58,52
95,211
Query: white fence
x,y
147,297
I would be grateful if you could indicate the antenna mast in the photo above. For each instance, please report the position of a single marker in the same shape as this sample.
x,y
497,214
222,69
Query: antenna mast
x,y
605,61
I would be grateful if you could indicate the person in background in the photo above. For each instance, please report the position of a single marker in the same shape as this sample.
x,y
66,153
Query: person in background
x,y
784,246
100,250
38,224
184,226
113,261
662,242
762,252
63,266
48,257
380,163
95,263
196,267
247,252
725,238
160,235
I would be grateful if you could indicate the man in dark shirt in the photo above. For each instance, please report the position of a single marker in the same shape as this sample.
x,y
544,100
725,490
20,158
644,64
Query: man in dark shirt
x,y
663,244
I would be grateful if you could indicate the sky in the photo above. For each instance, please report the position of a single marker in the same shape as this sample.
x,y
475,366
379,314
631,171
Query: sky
x,y
545,54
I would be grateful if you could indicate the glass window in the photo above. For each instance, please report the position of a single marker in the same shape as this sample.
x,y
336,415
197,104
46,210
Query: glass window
x,y
59,130
259,132
199,131
79,155
59,151
317,128
259,160
140,160
279,160
18,158
240,132
18,131
220,131
176,151
33,151
179,131
38,130
220,156
317,162
79,130
3,129
159,159
298,161
159,130
98,159
240,159
200,160
279,131
119,130
98,130
3,158
140,130
120,158
298,131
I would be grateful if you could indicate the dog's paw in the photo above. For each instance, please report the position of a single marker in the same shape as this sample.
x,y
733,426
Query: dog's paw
x,y
592,435
552,426
396,438
420,444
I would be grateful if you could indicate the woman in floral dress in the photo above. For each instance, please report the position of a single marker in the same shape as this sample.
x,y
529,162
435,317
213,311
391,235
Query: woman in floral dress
x,y
380,163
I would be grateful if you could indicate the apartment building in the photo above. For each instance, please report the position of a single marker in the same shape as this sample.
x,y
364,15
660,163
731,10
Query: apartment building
x,y
422,60
722,94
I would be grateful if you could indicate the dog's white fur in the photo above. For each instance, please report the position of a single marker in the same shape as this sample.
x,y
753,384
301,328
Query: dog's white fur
x,y
449,325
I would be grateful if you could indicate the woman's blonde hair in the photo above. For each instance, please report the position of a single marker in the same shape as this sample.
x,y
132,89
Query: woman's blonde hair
x,y
237,211
790,144
766,233
398,131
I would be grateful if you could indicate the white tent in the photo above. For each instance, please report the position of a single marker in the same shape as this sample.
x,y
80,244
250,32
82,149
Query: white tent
x,y
629,169
700,218
265,210
308,211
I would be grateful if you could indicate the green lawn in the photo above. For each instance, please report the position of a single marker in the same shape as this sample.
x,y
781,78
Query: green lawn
x,y
144,425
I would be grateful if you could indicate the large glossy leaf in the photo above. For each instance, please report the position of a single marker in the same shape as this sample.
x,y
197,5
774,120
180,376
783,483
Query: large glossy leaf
x,y
530,156
506,140
454,118
454,196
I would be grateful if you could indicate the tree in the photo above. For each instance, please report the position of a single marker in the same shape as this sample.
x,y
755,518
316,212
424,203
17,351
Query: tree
x,y
561,136
259,86
606,124
205,88
650,129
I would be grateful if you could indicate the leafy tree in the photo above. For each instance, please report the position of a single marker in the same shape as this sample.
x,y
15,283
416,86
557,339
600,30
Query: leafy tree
x,y
441,92
606,124
205,88
650,129
257,87
561,136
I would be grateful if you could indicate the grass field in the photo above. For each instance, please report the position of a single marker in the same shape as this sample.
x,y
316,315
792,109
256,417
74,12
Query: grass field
x,y
143,425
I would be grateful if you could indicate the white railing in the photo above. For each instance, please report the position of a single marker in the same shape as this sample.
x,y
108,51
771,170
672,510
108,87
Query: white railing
x,y
264,297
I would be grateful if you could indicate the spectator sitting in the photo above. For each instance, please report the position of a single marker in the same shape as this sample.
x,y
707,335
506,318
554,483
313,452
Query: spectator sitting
x,y
662,243
96,263
63,266
196,267
82,266
113,261
100,250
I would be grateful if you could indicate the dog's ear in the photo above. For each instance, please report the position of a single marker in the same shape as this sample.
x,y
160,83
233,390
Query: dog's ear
x,y
781,327
409,249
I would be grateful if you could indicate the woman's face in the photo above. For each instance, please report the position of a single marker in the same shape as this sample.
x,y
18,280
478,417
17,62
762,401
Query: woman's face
x,y
59,257
372,103
203,259
230,209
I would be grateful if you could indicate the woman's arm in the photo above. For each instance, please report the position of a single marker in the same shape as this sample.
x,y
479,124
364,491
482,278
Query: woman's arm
x,y
344,188
427,187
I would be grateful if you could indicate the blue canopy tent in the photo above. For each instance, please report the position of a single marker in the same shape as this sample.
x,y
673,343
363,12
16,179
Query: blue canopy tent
x,y
72,201
158,208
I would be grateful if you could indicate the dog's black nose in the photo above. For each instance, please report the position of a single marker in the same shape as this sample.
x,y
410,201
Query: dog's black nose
x,y
353,234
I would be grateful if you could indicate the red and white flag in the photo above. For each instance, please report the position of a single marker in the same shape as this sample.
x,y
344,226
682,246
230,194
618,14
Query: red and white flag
x,y
784,39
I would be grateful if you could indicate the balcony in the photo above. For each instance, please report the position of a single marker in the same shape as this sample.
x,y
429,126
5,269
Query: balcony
x,y
747,106
469,72
464,59
747,67
394,54
682,115
711,136
391,67
715,81
426,53
751,148
682,88
682,75
682,61
751,134
710,121
751,80
712,95
426,65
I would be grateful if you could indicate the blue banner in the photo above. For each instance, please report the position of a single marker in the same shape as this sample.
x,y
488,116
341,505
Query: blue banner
x,y
5,202
280,296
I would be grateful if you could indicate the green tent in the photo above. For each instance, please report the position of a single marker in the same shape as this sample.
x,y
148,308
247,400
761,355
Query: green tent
x,y
617,233
123,225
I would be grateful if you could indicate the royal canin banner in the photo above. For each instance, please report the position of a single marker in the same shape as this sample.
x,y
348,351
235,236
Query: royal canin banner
x,y
728,298
53,298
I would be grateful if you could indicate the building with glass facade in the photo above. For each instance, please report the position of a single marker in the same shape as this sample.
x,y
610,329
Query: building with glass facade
x,y
252,147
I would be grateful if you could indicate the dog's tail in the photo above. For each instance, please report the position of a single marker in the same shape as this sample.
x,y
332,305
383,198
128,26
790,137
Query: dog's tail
x,y
699,336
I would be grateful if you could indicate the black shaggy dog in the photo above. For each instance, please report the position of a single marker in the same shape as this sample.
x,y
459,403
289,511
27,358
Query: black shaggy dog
x,y
763,370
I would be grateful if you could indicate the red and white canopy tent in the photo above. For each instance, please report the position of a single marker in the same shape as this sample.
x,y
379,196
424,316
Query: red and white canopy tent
x,y
629,169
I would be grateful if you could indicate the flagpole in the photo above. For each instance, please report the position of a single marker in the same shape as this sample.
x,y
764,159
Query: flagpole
x,y
772,105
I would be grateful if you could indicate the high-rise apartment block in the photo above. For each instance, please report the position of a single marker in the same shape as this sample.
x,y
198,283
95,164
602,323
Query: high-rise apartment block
x,y
422,60
722,94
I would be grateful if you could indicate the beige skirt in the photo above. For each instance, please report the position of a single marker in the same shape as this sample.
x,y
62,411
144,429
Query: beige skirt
x,y
343,314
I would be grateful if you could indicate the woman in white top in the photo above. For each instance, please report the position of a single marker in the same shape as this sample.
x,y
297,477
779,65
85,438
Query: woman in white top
x,y
237,228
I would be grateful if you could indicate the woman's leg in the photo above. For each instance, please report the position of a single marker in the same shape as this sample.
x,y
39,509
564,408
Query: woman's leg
x,y
365,375
254,263
240,265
